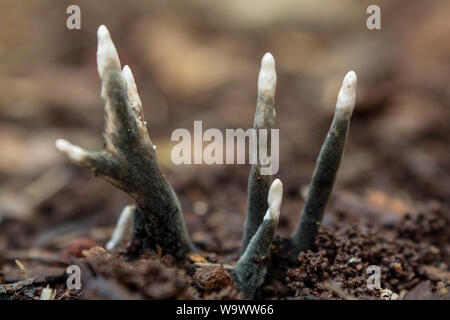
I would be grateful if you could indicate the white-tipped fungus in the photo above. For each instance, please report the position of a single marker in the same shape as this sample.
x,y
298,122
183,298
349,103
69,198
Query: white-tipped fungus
x,y
128,161
327,166
259,179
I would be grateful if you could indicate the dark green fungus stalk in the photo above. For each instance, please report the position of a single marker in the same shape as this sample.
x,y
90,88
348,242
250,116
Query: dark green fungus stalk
x,y
128,159
250,270
259,183
327,166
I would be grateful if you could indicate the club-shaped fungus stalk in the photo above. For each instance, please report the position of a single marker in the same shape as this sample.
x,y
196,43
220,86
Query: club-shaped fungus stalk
x,y
128,159
326,168
258,184
250,270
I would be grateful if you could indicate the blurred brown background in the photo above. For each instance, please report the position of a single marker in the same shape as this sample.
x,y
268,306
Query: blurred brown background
x,y
199,60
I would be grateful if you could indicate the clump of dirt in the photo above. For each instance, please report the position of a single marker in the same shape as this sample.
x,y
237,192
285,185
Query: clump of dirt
x,y
312,271
433,229
211,279
150,277
344,254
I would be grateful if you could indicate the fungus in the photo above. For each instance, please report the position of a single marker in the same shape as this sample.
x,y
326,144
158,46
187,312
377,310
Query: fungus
x,y
128,161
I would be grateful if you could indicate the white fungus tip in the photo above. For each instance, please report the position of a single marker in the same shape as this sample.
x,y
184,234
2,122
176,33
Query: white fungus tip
x,y
102,31
267,79
350,78
106,51
73,152
274,199
126,70
268,61
132,93
123,228
347,95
